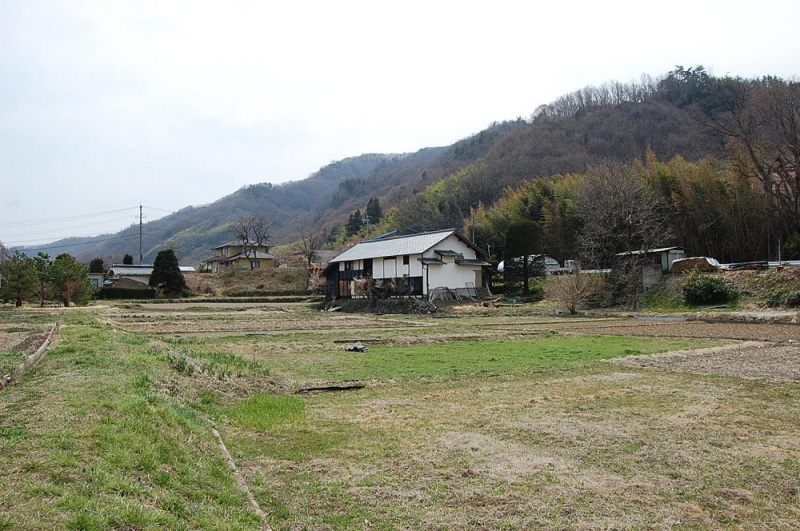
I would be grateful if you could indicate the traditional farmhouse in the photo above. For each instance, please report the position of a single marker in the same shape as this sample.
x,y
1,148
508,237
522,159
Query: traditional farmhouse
x,y
231,256
124,274
412,265
134,276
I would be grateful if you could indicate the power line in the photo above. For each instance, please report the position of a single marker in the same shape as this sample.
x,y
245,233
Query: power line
x,y
61,219
73,227
34,248
23,249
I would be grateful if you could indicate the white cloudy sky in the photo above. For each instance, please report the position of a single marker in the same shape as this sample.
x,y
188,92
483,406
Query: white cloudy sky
x,y
104,105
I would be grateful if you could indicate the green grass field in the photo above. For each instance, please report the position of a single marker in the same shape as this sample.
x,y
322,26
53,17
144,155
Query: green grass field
x,y
459,426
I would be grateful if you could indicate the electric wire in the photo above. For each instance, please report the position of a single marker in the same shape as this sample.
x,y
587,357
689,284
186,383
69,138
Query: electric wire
x,y
62,219
93,241
10,225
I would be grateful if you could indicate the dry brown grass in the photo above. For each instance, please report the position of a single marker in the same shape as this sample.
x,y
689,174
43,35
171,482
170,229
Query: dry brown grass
x,y
268,280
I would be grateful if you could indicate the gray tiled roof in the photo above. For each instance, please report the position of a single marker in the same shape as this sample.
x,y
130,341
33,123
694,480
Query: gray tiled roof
x,y
650,251
228,244
472,262
256,255
130,270
396,246
140,270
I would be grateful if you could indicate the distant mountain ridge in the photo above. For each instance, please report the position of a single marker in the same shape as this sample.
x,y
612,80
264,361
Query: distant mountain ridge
x,y
610,122
334,190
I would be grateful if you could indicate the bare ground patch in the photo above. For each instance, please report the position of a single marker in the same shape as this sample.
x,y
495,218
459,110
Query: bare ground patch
x,y
745,331
767,361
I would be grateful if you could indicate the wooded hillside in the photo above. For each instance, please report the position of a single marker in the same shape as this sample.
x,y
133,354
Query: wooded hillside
x,y
718,174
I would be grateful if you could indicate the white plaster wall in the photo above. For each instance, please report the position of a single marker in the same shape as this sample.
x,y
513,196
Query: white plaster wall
x,y
451,275
452,243
383,268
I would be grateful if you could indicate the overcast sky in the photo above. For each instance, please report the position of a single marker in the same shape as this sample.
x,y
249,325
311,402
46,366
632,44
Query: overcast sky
x,y
104,105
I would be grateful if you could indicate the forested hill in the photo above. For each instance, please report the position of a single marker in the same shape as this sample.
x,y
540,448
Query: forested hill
x,y
595,125
610,122
331,192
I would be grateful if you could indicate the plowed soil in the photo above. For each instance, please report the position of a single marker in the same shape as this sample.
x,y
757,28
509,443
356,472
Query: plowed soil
x,y
765,361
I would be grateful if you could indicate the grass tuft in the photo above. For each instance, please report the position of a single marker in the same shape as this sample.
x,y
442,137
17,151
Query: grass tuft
x,y
262,412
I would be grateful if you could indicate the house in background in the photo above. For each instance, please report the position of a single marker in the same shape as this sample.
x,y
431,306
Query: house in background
x,y
130,273
230,256
412,265
134,276
96,279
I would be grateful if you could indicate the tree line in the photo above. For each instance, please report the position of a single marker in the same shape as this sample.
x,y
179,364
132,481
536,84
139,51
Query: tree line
x,y
740,201
66,280
63,278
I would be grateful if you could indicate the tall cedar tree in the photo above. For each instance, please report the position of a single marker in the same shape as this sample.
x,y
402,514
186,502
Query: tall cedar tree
x,y
167,275
97,265
354,223
127,259
44,274
374,211
523,239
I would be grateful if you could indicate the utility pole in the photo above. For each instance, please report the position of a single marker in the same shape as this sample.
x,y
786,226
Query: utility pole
x,y
472,215
140,234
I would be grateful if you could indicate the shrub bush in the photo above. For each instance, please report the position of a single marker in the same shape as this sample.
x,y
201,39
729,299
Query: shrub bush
x,y
793,299
708,289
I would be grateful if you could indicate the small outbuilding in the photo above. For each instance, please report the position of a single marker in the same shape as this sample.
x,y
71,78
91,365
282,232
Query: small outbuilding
x,y
655,262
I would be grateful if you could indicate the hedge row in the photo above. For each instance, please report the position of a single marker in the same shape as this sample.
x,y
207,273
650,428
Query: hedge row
x,y
126,293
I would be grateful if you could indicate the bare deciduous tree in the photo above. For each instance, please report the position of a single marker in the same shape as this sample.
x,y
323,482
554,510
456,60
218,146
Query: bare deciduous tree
x,y
760,122
310,242
620,216
572,290
252,232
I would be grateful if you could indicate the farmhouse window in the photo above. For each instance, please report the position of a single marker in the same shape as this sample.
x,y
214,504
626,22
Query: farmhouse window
x,y
405,259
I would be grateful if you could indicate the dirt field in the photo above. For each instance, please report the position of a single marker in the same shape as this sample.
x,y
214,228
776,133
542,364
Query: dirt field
x,y
745,331
478,420
767,361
